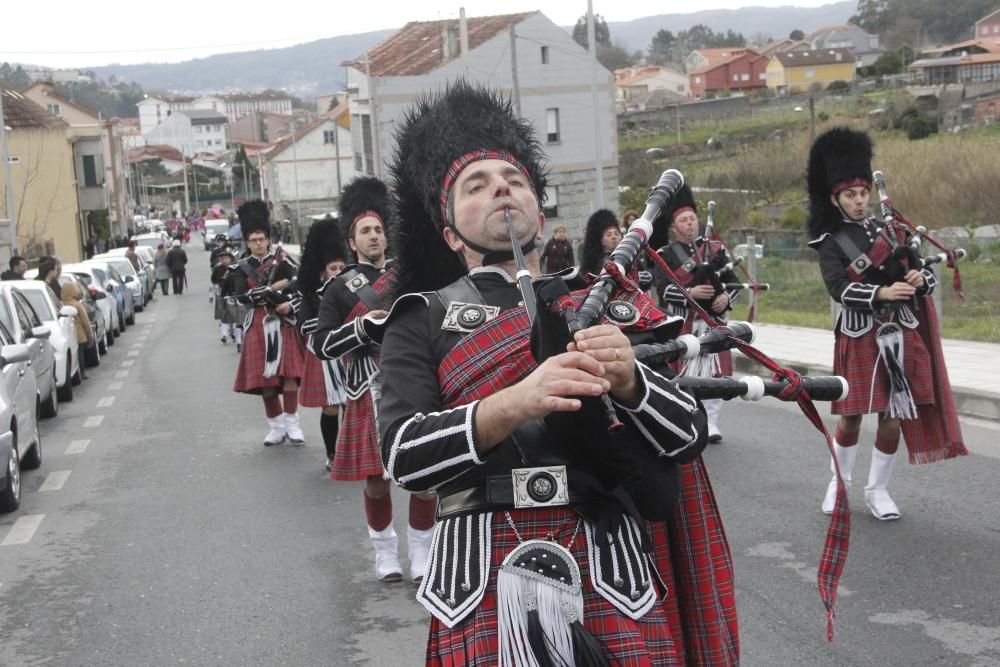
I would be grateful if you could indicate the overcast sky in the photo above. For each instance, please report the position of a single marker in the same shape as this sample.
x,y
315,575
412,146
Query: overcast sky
x,y
59,33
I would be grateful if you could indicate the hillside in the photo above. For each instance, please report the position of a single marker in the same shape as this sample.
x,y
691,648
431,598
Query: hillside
x,y
314,68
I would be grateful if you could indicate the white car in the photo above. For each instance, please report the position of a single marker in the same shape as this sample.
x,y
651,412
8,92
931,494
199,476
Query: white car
x,y
20,443
115,285
213,227
133,280
61,322
147,264
151,240
20,319
104,300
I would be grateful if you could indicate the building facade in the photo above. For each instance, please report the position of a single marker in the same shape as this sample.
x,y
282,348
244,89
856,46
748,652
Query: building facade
x,y
801,71
742,71
988,26
863,45
192,131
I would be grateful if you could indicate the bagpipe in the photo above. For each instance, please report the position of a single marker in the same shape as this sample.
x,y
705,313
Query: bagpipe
x,y
905,239
733,261
267,294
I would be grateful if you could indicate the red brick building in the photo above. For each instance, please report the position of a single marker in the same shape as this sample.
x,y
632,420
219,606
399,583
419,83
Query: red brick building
x,y
743,70
988,27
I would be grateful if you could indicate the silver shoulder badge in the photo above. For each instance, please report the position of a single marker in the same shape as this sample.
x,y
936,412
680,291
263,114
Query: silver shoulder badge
x,y
861,264
465,317
357,282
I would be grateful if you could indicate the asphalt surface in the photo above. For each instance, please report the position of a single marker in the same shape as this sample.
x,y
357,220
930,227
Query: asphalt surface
x,y
177,538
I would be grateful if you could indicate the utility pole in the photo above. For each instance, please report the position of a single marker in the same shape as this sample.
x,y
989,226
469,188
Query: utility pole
x,y
373,114
513,70
591,42
295,174
7,184
187,195
812,119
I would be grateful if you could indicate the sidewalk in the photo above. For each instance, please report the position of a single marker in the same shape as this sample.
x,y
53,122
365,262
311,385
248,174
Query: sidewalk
x,y
974,368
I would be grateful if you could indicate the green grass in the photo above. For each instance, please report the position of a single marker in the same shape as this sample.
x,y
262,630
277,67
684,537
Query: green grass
x,y
798,298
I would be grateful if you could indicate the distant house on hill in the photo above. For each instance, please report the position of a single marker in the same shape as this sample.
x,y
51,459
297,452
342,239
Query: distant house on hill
x,y
988,26
798,71
703,58
743,70
192,131
634,83
158,107
553,93
777,46
863,45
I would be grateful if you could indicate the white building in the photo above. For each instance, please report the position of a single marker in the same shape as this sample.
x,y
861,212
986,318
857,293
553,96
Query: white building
x,y
192,131
554,92
157,108
306,173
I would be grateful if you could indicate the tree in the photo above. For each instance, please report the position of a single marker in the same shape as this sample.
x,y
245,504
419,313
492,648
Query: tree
x,y
661,49
615,56
797,35
889,62
601,31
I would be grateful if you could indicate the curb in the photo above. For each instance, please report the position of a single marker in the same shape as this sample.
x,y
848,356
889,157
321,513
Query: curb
x,y
971,402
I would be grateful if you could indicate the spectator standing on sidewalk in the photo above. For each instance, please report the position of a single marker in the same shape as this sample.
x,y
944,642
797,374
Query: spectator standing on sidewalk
x,y
161,268
888,343
132,257
71,294
18,265
558,252
176,262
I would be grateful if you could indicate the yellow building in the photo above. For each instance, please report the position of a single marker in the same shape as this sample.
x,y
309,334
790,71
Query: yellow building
x,y
42,180
800,71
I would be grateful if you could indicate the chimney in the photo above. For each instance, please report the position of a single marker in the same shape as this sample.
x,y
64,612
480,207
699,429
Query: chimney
x,y
463,31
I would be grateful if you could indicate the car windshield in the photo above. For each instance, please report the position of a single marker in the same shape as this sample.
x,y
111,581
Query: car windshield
x,y
39,303
84,278
213,228
149,241
122,266
101,275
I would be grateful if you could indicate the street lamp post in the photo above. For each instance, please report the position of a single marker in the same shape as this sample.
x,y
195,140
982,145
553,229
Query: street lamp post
x,y
8,186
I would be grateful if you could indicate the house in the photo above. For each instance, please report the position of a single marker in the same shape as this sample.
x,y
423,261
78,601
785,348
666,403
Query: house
x,y
779,45
988,110
633,83
988,26
155,109
553,92
305,173
703,58
99,155
961,69
742,71
237,105
968,46
42,177
863,45
192,131
260,127
799,71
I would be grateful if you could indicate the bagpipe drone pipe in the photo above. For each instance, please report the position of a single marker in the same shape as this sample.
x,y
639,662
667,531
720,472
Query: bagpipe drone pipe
x,y
716,270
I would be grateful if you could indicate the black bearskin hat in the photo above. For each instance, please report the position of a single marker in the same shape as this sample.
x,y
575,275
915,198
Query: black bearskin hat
x,y
324,243
254,217
221,237
663,223
364,193
436,131
593,251
839,158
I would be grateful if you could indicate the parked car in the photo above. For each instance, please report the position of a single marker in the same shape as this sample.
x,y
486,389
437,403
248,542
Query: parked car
x,y
103,300
20,442
60,321
98,325
213,227
26,328
115,283
134,281
147,270
152,239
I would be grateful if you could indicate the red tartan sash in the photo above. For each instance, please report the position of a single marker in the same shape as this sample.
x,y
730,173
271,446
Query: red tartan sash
x,y
498,354
686,277
260,274
382,286
879,253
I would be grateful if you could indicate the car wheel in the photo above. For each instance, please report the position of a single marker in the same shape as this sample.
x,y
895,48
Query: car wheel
x,y
92,357
65,392
76,378
50,406
130,320
103,345
121,325
33,457
10,494
110,338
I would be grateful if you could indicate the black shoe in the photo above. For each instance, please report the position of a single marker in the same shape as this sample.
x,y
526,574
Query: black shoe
x,y
715,438
239,347
223,339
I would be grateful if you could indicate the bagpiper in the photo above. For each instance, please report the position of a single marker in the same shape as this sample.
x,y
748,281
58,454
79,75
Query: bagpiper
x,y
272,361
887,339
355,295
228,311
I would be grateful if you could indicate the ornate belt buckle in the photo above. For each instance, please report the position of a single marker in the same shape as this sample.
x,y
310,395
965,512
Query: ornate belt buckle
x,y
545,486
357,282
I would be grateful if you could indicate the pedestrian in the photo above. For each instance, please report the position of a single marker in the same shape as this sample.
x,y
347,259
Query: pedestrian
x,y
71,294
49,270
161,267
699,266
132,256
18,265
628,217
535,560
602,236
229,314
89,247
887,339
324,256
273,355
176,262
355,296
221,245
557,253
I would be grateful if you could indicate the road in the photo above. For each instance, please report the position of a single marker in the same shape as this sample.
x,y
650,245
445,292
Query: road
x,y
159,531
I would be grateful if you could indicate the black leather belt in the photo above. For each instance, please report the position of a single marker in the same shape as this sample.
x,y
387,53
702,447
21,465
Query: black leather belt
x,y
544,486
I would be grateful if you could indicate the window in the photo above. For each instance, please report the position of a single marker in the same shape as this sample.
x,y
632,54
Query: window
x,y
5,317
53,109
329,136
197,129
744,77
218,142
552,125
90,172
545,55
810,73
762,76
697,79
366,138
736,77
551,206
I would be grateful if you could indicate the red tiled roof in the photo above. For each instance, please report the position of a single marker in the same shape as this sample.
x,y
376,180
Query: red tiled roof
x,y
418,47
152,151
733,56
20,112
816,57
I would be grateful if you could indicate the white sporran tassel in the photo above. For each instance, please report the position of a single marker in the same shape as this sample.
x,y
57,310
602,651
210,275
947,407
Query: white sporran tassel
x,y
272,345
890,352
703,365
333,380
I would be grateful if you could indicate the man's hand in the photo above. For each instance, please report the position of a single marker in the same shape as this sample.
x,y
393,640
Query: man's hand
x,y
283,308
609,346
914,278
899,291
376,314
720,303
702,292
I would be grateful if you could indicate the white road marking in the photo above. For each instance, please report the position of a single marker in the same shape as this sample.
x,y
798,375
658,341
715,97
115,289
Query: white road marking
x,y
23,530
106,402
961,638
114,386
781,552
55,480
121,374
128,363
133,353
94,421
77,447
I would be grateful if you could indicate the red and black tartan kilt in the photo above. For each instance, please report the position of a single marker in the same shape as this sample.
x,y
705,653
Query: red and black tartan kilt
x,y
358,454
725,358
312,392
250,374
856,358
473,642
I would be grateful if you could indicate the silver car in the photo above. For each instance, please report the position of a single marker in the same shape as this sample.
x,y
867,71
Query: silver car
x,y
105,301
20,443
133,280
20,319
